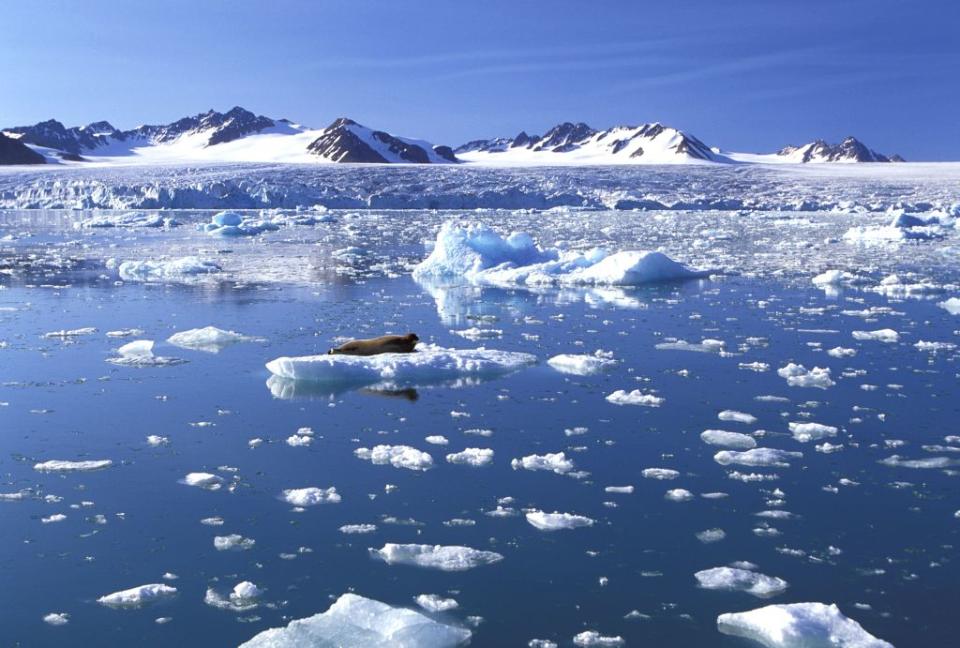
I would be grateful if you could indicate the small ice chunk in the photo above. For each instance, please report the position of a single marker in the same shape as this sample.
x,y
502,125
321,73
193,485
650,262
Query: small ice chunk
x,y
583,365
806,432
593,639
888,336
799,376
724,439
204,480
137,596
555,462
57,618
623,490
476,457
799,625
841,352
708,536
156,441
635,397
351,529
927,463
679,495
311,496
233,542
209,339
444,558
556,521
357,622
951,305
398,456
435,603
437,439
660,473
741,580
739,417
756,457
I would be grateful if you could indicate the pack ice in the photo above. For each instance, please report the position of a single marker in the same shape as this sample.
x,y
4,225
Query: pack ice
x,y
357,622
479,255
429,364
799,625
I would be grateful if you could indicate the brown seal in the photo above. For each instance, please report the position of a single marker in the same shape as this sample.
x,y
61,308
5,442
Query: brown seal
x,y
373,346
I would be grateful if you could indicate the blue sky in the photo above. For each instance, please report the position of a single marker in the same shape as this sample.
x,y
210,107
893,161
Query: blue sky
x,y
749,75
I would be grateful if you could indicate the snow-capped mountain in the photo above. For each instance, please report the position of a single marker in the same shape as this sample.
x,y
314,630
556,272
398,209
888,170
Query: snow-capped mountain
x,y
849,150
570,143
347,141
235,136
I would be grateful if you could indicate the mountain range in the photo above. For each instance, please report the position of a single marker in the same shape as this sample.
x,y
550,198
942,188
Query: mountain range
x,y
239,135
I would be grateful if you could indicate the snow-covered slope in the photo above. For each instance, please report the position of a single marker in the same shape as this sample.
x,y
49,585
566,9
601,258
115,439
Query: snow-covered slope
x,y
235,136
579,144
850,150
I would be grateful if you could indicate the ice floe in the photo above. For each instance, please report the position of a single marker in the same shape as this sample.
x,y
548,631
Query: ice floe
x,y
756,457
398,456
173,270
737,417
57,618
444,558
138,596
435,603
209,338
59,465
799,376
227,223
556,521
427,365
732,440
660,473
806,432
233,542
472,457
207,481
799,625
635,397
593,639
357,622
554,462
583,365
311,496
741,580
881,335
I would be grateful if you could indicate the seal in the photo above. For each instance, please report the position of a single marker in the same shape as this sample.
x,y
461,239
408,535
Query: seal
x,y
373,346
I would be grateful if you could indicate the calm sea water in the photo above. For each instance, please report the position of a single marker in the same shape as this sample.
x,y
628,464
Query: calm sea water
x,y
896,530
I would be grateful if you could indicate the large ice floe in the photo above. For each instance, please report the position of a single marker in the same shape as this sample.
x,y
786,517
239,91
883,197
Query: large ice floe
x,y
799,625
583,365
557,521
427,365
60,466
444,558
477,254
354,621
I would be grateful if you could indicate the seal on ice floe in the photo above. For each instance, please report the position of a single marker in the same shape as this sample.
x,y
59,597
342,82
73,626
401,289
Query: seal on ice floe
x,y
373,346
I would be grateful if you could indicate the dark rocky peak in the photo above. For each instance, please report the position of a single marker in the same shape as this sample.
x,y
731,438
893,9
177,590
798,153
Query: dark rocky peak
x,y
14,151
565,136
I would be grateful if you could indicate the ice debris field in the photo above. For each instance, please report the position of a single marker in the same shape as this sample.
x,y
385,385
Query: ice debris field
x,y
668,424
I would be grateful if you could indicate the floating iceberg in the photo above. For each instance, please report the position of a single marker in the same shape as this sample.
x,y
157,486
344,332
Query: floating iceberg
x,y
880,335
182,269
209,338
799,376
756,457
228,223
476,457
732,440
554,462
311,496
57,465
799,625
806,432
556,521
444,558
137,596
593,639
398,456
583,365
357,622
479,255
139,353
635,397
427,365
741,580
435,603
203,480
